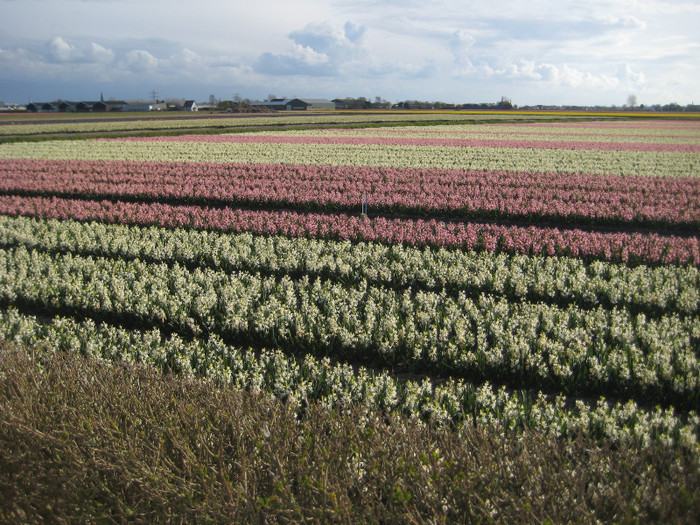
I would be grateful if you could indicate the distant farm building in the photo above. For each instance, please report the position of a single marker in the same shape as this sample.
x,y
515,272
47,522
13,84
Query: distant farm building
x,y
40,106
64,106
101,105
297,104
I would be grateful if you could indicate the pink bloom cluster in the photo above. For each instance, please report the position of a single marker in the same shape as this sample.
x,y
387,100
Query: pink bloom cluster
x,y
689,125
547,132
647,248
408,141
608,199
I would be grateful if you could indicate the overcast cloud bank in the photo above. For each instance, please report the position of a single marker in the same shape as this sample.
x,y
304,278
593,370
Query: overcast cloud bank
x,y
536,52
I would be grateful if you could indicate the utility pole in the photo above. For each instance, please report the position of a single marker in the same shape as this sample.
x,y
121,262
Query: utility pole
x,y
154,95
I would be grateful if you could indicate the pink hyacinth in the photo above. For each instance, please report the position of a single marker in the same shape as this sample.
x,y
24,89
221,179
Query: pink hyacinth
x,y
610,199
620,246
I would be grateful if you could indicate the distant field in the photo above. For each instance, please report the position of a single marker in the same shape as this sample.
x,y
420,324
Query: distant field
x,y
26,125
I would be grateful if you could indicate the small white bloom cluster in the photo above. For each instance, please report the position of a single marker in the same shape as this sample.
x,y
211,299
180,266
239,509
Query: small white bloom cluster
x,y
562,280
339,385
560,347
526,159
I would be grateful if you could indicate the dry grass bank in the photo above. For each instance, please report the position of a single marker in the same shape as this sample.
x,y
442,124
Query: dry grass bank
x,y
83,441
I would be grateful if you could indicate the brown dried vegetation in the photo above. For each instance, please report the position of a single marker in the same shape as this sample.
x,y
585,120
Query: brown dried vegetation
x,y
84,441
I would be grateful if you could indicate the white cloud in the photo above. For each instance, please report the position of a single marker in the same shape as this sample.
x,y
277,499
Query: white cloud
x,y
586,80
139,60
299,60
632,22
307,56
627,76
548,73
524,70
549,78
61,50
340,44
460,45
322,49
189,57
100,54
625,21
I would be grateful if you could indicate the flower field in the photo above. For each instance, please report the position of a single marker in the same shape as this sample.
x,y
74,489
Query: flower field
x,y
522,276
91,123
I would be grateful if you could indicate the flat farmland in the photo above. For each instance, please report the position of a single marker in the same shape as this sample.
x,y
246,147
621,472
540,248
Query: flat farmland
x,y
62,125
524,278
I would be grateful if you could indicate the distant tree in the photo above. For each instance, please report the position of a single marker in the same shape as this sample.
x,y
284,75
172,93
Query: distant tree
x,y
356,103
212,100
505,103
238,104
443,105
673,106
363,103
632,101
379,102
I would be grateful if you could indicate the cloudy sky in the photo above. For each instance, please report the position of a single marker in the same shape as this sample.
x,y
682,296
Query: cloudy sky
x,y
584,52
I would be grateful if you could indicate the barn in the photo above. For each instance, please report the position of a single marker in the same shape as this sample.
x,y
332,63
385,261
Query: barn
x,y
297,104
44,107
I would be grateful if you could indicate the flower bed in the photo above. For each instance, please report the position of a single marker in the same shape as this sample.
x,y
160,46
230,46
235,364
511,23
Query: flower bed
x,y
528,276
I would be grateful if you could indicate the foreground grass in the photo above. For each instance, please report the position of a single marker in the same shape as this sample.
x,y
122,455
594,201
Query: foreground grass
x,y
84,441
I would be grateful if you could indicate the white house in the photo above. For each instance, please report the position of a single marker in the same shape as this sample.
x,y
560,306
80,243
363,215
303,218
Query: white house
x,y
153,106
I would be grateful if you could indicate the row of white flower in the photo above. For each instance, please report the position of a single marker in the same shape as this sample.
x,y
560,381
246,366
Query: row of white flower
x,y
651,163
562,280
339,386
518,132
570,349
639,128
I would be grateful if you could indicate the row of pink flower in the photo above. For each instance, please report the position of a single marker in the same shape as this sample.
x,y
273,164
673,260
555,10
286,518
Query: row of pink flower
x,y
649,248
692,125
487,131
611,199
408,141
